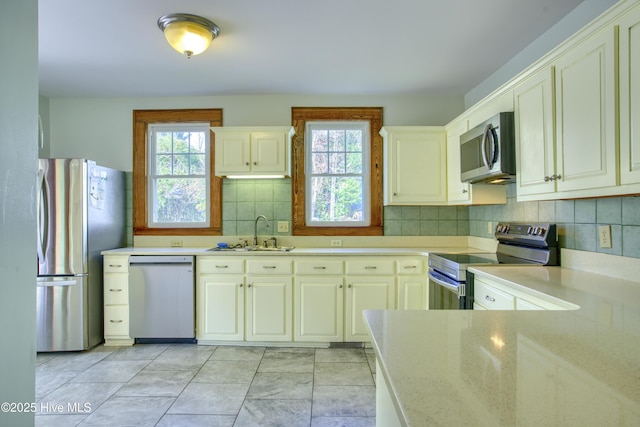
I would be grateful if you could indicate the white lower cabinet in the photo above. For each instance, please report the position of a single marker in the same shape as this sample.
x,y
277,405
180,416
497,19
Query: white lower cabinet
x,y
318,307
220,299
269,300
366,293
116,300
413,293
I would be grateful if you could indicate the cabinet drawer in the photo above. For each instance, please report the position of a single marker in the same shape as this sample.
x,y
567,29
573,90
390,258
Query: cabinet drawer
x,y
370,266
116,289
492,298
116,320
226,265
269,266
410,266
116,264
320,267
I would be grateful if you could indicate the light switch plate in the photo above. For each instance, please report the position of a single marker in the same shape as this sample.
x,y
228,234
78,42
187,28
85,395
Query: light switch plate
x,y
604,235
283,226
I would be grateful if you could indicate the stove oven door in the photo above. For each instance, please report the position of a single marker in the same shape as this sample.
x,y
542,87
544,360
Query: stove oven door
x,y
445,293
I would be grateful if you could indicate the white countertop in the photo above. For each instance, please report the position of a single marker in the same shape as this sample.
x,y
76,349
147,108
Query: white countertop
x,y
304,251
573,367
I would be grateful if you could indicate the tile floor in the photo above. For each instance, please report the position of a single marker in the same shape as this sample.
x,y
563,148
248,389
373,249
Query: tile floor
x,y
192,385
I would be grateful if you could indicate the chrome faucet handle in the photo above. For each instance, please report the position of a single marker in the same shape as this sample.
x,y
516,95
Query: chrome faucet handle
x,y
271,239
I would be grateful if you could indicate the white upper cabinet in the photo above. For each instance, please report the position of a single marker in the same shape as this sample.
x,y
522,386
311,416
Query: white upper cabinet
x,y
253,151
535,138
585,78
630,98
415,165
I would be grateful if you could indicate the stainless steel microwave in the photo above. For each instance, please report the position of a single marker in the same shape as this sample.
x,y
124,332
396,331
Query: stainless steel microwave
x,y
487,152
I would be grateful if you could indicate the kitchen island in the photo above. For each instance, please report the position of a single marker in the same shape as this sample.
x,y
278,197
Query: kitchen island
x,y
569,367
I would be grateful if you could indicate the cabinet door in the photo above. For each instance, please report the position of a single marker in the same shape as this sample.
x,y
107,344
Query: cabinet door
x,y
535,147
630,98
585,114
416,165
220,307
269,308
412,293
457,191
232,152
268,152
318,309
366,293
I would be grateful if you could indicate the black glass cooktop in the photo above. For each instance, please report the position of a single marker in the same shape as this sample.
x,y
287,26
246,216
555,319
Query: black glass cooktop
x,y
464,259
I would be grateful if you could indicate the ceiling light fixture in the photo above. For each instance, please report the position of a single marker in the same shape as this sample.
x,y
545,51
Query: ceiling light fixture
x,y
188,34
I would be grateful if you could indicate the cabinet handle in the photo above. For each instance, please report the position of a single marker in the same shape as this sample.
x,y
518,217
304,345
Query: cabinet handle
x,y
240,284
320,267
269,267
255,163
349,285
547,179
370,267
115,321
464,191
247,164
410,267
340,286
395,194
488,298
115,265
554,177
222,266
115,290
248,285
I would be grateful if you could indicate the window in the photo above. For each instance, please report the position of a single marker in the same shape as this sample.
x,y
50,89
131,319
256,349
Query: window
x,y
178,175
337,171
337,174
174,190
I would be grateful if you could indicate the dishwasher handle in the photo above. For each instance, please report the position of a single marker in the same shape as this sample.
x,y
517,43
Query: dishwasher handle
x,y
160,259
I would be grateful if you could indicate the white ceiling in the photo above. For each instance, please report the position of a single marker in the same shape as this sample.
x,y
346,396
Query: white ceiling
x,y
113,48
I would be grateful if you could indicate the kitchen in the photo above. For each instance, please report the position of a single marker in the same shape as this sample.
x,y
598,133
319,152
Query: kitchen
x,y
72,122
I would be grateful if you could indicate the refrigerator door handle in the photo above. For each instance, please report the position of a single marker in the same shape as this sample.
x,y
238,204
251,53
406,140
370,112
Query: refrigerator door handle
x,y
46,283
43,224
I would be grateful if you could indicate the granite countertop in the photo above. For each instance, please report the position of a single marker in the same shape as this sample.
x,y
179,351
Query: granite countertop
x,y
304,251
569,367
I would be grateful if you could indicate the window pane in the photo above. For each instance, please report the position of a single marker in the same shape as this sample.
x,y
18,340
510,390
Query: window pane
x,y
354,162
320,163
336,199
354,140
197,142
336,163
197,164
180,200
319,140
180,142
164,142
181,164
336,140
163,164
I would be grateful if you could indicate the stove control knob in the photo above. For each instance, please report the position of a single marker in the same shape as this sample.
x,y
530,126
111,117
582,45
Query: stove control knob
x,y
499,228
529,230
534,231
541,231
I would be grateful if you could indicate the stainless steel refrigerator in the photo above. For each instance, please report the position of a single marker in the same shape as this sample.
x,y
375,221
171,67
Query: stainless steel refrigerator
x,y
81,212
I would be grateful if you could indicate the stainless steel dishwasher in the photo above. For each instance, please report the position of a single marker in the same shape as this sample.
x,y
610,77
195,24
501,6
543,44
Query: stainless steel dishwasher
x,y
161,298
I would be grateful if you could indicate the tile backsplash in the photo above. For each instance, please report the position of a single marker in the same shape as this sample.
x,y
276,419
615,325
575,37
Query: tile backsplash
x,y
577,220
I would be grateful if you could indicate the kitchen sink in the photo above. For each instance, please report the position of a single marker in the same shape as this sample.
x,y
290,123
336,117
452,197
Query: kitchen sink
x,y
253,249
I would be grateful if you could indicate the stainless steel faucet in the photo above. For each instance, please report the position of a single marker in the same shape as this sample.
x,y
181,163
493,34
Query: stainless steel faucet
x,y
255,228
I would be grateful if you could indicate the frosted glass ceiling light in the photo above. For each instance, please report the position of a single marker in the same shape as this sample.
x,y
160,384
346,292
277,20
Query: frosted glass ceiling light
x,y
188,34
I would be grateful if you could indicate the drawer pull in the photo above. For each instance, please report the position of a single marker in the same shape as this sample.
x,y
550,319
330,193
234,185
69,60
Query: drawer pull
x,y
115,290
115,321
488,298
269,267
320,267
115,265
370,267
410,267
222,266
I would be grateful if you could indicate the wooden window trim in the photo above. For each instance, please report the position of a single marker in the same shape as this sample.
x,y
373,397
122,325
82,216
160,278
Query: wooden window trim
x,y
299,118
141,121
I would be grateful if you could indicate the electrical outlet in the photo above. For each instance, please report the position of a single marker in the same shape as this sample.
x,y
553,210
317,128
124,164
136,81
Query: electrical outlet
x,y
283,226
336,243
176,243
604,233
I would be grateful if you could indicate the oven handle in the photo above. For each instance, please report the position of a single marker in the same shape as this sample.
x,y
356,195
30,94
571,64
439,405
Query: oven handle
x,y
443,281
